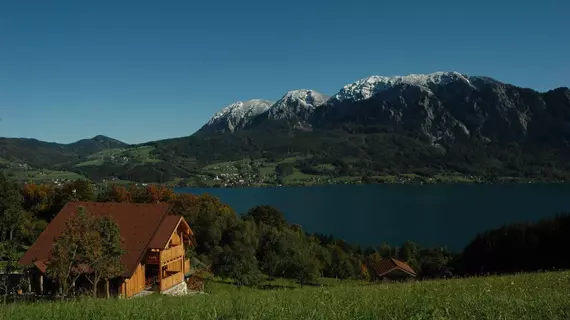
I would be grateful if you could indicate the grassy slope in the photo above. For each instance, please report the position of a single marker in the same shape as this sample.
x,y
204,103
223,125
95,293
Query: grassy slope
x,y
15,172
136,154
37,175
527,296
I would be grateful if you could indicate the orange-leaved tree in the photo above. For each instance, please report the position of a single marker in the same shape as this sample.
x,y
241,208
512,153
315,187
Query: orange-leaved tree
x,y
115,193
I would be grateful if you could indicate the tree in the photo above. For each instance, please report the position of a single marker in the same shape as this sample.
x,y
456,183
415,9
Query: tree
x,y
303,264
268,215
105,254
210,220
8,264
387,251
69,255
39,199
271,251
11,213
115,193
88,246
294,256
77,190
152,194
237,259
409,253
341,265
11,221
239,266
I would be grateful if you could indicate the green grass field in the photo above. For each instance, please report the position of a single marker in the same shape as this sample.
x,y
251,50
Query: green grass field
x,y
135,154
40,176
93,162
526,296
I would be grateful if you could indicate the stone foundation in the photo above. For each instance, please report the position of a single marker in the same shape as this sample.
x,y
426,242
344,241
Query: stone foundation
x,y
177,290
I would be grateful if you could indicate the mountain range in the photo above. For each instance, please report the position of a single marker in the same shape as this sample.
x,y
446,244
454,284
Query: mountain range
x,y
426,125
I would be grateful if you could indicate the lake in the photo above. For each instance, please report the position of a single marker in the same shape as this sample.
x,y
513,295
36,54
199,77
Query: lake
x,y
431,215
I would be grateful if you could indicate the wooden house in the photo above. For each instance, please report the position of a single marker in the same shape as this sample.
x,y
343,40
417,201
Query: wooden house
x,y
154,241
389,269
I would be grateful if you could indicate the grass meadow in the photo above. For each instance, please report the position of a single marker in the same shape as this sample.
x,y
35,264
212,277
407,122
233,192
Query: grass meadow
x,y
524,296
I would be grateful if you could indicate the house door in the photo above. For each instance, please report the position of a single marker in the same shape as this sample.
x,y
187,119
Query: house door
x,y
151,277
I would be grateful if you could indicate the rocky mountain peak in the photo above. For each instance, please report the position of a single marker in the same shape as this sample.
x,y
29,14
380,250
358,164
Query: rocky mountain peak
x,y
297,104
237,115
365,88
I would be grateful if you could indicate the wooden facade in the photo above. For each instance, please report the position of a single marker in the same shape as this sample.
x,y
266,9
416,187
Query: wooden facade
x,y
134,284
163,268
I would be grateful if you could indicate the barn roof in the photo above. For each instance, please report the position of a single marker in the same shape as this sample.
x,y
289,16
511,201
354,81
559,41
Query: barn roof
x,y
138,225
385,266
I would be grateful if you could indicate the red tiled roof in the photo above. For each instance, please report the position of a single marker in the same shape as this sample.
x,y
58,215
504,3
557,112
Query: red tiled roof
x,y
137,223
385,266
404,266
164,232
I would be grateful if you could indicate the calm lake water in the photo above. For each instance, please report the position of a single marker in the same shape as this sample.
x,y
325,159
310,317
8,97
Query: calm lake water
x,y
432,215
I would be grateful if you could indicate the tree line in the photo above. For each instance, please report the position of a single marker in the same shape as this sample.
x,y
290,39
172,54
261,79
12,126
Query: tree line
x,y
259,243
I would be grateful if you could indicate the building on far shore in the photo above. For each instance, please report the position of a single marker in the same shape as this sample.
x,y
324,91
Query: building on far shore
x,y
153,239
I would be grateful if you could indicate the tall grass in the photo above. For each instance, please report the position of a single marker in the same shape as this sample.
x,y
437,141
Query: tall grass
x,y
525,296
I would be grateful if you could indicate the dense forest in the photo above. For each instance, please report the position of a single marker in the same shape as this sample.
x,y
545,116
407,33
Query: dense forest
x,y
261,242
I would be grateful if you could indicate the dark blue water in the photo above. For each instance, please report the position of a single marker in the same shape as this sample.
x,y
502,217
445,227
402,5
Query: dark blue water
x,y
432,215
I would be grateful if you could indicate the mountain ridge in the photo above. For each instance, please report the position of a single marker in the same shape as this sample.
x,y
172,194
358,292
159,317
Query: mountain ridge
x,y
431,124
48,154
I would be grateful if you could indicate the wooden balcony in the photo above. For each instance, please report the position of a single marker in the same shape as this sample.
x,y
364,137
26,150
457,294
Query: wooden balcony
x,y
165,256
171,281
171,254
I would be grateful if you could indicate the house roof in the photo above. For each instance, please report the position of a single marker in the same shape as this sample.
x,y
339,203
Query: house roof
x,y
164,232
386,266
139,224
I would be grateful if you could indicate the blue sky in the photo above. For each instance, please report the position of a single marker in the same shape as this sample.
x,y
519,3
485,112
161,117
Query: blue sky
x,y
146,70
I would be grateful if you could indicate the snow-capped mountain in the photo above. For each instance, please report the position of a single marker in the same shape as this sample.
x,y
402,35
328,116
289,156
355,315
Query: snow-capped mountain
x,y
365,88
439,107
237,115
443,106
296,105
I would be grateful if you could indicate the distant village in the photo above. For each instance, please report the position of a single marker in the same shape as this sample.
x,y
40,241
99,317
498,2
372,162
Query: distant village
x,y
253,174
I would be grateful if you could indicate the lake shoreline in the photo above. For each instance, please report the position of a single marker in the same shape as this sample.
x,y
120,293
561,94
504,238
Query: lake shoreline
x,y
504,181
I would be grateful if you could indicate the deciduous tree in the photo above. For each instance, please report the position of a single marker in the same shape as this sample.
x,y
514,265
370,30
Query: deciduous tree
x,y
88,246
69,257
105,254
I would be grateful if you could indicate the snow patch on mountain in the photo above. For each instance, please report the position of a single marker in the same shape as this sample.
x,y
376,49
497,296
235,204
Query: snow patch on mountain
x,y
236,115
297,104
367,87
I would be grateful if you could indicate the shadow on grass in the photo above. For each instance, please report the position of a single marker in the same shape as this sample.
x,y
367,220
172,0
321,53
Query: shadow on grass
x,y
270,285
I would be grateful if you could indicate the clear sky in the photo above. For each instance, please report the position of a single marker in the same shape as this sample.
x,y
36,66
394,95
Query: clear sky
x,y
146,70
